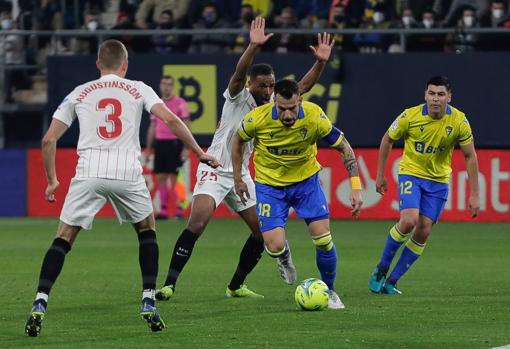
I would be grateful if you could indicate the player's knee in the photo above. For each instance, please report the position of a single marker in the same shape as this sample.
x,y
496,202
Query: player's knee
x,y
197,227
275,249
406,224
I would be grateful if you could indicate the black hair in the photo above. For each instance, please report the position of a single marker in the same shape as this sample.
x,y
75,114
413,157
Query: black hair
x,y
440,80
164,77
260,69
286,88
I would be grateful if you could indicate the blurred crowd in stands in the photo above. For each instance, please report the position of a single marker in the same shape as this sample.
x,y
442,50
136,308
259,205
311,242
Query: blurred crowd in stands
x,y
91,15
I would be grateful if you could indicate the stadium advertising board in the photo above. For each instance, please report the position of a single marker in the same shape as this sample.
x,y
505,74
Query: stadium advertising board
x,y
494,185
361,94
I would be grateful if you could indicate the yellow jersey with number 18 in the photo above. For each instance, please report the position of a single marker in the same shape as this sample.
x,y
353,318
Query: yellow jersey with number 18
x,y
287,155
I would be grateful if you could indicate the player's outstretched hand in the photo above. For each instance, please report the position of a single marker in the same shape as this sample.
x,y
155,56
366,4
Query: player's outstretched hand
x,y
209,160
257,35
356,202
474,205
325,43
381,186
242,191
50,190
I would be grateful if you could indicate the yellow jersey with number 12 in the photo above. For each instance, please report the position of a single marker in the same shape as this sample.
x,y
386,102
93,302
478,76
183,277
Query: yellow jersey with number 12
x,y
429,142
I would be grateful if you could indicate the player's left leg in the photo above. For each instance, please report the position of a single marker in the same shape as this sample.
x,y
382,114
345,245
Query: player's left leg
x,y
50,270
326,257
433,199
250,254
132,203
413,249
148,254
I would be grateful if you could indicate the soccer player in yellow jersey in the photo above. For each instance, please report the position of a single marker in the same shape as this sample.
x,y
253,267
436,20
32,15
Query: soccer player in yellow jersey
x,y
430,131
284,135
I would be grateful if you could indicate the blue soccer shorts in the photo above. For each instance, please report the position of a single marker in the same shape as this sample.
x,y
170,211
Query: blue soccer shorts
x,y
426,195
274,203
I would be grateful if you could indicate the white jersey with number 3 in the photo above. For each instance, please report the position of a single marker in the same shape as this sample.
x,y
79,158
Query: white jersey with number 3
x,y
109,111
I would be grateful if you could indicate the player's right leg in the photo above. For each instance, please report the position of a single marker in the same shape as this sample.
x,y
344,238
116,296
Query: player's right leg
x,y
202,209
83,200
409,204
50,269
148,258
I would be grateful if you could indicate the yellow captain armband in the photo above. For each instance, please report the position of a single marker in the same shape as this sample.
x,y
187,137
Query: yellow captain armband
x,y
356,183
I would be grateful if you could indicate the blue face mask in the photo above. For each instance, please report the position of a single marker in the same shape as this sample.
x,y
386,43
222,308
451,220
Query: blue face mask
x,y
210,18
6,24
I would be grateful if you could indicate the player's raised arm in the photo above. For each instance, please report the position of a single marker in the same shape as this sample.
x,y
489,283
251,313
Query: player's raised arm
x,y
257,39
384,152
322,52
351,166
183,133
49,148
472,170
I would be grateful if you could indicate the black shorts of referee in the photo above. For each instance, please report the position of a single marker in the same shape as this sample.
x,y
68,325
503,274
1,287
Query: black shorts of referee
x,y
167,156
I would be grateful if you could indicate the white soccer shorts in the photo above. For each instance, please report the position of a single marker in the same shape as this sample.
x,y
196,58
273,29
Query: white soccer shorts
x,y
131,200
220,186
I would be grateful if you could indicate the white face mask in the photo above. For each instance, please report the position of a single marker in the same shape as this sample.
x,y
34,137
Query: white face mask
x,y
6,24
468,21
92,25
428,23
378,17
497,13
407,20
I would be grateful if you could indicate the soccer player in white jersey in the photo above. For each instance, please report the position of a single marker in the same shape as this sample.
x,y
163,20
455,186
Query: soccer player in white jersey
x,y
215,186
109,110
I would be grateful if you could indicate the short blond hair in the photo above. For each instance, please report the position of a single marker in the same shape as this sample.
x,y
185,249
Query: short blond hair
x,y
111,54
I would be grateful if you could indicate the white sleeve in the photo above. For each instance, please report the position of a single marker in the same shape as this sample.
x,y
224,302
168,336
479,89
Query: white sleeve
x,y
65,111
240,97
150,98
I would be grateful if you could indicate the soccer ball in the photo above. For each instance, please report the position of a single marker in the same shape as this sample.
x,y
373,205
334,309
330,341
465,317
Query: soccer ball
x,y
312,294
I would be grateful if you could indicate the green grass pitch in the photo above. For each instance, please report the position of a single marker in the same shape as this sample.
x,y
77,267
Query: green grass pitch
x,y
456,296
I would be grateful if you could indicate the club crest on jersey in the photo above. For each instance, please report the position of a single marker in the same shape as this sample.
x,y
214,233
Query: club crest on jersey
x,y
422,128
449,130
303,132
271,134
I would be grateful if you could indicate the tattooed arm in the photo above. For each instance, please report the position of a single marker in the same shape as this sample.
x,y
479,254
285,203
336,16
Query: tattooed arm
x,y
351,166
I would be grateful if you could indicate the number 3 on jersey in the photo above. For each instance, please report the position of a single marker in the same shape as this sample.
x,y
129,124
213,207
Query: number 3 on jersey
x,y
113,118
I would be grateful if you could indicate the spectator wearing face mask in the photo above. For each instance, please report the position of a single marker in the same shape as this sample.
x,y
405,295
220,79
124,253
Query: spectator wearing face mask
x,y
165,44
210,43
338,19
242,39
407,21
496,17
87,44
427,42
374,42
12,52
461,41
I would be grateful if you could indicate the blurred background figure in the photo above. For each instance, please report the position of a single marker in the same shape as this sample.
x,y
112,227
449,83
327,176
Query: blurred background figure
x,y
165,44
169,152
149,11
210,43
87,44
427,42
460,41
286,42
242,39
